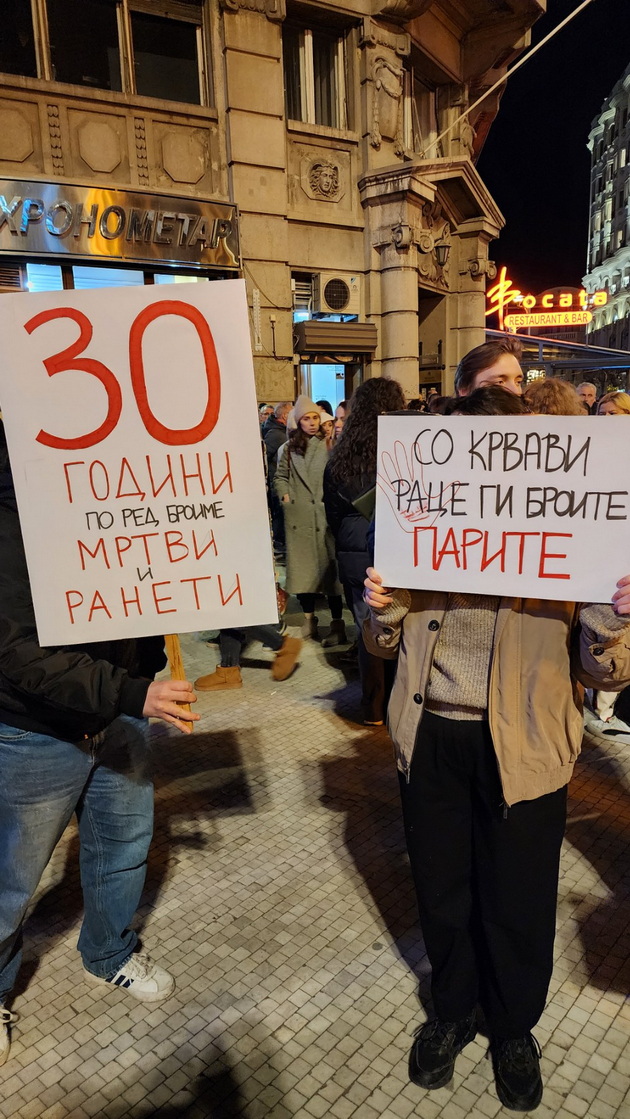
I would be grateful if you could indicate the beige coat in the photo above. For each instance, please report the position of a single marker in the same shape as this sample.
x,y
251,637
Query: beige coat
x,y
543,651
311,564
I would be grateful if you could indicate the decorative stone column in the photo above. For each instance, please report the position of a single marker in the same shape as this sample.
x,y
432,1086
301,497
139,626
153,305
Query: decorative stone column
x,y
473,270
405,222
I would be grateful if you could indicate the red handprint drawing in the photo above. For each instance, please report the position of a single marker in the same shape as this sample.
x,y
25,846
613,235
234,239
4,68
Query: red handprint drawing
x,y
401,478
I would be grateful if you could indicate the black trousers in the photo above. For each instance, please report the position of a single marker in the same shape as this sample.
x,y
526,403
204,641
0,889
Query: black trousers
x,y
486,878
232,641
335,604
377,674
277,522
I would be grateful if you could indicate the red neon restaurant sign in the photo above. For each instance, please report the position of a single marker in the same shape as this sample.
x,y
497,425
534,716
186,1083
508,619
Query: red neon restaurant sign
x,y
565,308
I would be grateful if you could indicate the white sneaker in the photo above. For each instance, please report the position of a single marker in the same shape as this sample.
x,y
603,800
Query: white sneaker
x,y
142,978
607,728
616,727
6,1020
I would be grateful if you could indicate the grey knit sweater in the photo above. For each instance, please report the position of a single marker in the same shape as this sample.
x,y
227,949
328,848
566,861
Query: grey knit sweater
x,y
458,684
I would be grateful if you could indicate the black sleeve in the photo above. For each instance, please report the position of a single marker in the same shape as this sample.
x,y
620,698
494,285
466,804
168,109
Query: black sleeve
x,y
370,540
273,442
335,505
151,657
65,690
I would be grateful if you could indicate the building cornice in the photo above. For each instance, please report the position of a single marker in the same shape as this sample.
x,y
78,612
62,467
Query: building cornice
x,y
456,184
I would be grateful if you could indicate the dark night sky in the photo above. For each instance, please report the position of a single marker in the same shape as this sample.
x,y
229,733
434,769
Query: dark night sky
x,y
535,160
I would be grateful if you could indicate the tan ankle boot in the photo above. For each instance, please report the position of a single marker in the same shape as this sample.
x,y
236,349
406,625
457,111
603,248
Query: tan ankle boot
x,y
220,679
286,658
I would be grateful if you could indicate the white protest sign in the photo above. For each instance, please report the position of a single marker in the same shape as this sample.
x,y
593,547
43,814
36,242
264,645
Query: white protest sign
x,y
522,506
133,434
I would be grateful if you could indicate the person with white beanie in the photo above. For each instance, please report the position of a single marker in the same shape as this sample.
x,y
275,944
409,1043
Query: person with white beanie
x,y
311,565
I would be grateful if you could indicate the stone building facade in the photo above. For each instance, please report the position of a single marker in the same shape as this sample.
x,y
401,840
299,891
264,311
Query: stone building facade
x,y
609,229
294,143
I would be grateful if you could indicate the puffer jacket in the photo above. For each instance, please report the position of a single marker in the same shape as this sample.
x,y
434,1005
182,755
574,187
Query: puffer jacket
x,y
543,652
349,527
69,692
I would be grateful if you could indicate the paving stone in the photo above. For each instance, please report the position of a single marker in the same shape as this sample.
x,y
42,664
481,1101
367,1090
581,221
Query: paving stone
x,y
279,895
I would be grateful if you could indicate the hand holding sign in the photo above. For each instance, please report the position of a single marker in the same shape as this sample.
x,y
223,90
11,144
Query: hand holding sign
x,y
163,698
375,594
621,597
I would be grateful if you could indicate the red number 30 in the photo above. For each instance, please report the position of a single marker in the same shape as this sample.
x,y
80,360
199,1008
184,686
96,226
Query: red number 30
x,y
69,359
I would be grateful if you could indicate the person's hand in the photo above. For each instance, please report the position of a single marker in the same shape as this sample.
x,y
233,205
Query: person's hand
x,y
621,597
375,594
163,699
285,498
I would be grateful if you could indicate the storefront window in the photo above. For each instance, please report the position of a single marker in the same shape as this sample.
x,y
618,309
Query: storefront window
x,y
165,56
176,278
324,382
17,42
87,276
84,42
44,277
37,276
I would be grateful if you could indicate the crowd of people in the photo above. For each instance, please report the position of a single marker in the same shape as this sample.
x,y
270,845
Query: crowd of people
x,y
485,743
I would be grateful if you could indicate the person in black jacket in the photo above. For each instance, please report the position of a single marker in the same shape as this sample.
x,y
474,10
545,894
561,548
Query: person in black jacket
x,y
349,482
274,436
72,739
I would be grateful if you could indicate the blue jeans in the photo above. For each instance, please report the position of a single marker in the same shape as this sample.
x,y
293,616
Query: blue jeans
x,y
107,782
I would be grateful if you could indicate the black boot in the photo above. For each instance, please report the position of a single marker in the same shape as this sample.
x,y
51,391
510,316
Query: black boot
x,y
432,1057
517,1072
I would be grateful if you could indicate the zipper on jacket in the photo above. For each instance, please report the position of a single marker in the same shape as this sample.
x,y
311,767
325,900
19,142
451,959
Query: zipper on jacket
x,y
504,806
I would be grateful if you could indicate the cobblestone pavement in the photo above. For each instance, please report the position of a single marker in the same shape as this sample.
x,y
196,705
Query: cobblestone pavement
x,y
279,895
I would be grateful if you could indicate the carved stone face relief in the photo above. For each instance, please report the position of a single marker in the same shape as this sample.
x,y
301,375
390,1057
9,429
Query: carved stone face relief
x,y
323,180
324,177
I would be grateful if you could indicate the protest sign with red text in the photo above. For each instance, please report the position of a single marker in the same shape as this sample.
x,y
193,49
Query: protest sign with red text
x,y
522,506
133,433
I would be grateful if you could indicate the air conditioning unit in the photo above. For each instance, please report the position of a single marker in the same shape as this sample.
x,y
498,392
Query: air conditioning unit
x,y
337,294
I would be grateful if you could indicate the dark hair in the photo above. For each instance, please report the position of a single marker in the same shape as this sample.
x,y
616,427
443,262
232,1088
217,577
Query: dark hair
x,y
436,404
355,452
416,405
490,400
325,406
342,404
483,357
298,441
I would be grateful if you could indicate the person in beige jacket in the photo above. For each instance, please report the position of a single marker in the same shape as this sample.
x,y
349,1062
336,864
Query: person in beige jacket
x,y
486,720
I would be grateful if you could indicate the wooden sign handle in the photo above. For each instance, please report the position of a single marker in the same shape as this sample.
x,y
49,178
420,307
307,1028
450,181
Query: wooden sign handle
x,y
176,664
